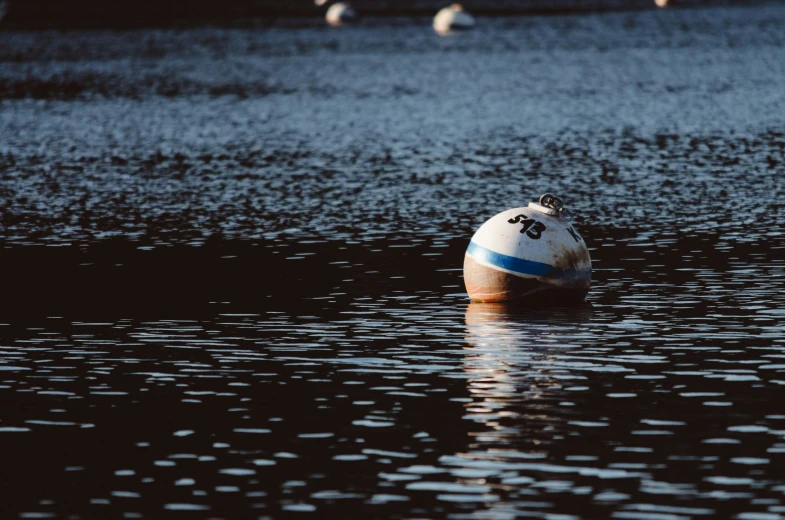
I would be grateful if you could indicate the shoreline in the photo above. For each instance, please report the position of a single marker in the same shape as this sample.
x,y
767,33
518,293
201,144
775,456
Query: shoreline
x,y
46,14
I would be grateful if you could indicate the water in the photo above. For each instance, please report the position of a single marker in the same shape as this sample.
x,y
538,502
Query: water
x,y
233,259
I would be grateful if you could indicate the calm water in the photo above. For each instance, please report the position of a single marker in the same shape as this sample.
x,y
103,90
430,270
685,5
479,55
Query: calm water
x,y
232,270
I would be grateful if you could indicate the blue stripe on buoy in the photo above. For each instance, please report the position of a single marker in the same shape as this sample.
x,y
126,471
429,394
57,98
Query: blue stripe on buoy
x,y
519,265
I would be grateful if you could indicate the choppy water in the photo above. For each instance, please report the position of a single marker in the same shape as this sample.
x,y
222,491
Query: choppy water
x,y
232,270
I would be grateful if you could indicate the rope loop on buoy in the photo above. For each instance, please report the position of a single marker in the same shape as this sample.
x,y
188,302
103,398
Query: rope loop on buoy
x,y
551,201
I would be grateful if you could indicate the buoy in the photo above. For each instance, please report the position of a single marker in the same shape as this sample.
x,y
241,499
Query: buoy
x,y
339,13
452,18
661,3
530,253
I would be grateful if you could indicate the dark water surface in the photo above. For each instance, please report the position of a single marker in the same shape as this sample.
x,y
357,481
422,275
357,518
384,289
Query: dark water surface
x,y
232,270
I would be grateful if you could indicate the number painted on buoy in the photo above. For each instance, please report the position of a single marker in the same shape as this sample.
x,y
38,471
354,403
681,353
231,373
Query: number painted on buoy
x,y
532,228
574,234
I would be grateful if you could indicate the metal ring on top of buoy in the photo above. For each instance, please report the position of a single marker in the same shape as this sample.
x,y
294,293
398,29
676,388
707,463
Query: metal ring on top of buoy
x,y
551,201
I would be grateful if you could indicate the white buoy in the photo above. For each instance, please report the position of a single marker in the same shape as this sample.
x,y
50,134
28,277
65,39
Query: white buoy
x,y
525,253
661,3
452,18
340,13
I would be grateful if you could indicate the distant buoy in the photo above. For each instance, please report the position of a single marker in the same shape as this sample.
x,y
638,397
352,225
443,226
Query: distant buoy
x,y
661,3
525,252
452,18
340,13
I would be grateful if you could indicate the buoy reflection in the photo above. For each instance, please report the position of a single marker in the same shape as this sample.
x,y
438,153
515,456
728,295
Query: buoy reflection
x,y
511,379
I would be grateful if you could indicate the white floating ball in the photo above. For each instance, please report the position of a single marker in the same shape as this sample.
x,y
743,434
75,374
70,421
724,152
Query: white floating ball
x,y
340,13
524,253
452,18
